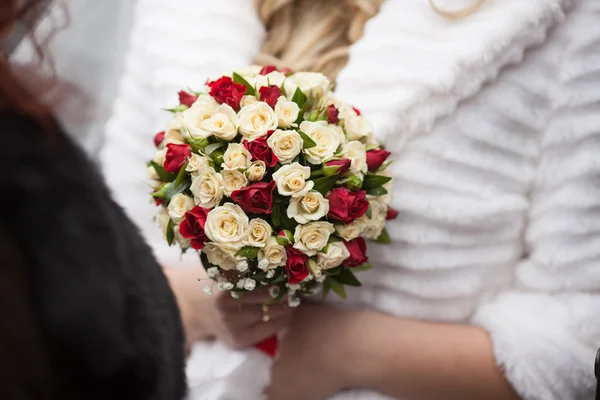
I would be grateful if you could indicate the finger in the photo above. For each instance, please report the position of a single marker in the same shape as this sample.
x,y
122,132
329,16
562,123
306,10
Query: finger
x,y
251,315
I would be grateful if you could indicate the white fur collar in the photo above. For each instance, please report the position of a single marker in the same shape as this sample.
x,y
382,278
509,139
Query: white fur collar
x,y
413,67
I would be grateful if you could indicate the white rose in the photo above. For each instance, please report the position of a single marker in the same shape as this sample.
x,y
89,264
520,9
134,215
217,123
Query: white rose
x,y
151,173
247,100
207,188
372,227
274,78
259,231
273,255
350,231
175,132
357,127
199,112
357,153
257,170
222,255
339,131
159,156
287,112
163,221
312,237
197,163
345,110
227,224
237,157
223,123
181,241
256,120
312,207
326,139
292,180
179,205
334,257
310,83
286,145
233,180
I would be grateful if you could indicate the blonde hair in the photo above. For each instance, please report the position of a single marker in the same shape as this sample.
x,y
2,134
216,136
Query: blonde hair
x,y
312,35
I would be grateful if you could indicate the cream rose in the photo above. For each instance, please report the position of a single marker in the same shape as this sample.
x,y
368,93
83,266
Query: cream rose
x,y
200,111
292,180
273,255
256,119
287,112
357,153
227,224
339,131
247,100
233,180
179,205
237,157
286,145
312,207
357,127
259,231
223,123
151,173
372,227
197,163
274,78
312,237
326,139
159,156
350,231
163,219
334,256
310,83
207,188
221,254
175,132
181,241
257,170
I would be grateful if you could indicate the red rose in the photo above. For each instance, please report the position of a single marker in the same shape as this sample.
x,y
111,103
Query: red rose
x,y
391,214
346,206
295,266
256,198
158,139
342,165
225,90
270,94
267,69
186,98
177,155
356,110
375,158
332,114
260,150
358,252
192,227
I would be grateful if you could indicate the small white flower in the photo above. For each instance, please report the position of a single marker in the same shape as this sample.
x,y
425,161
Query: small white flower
x,y
293,287
325,137
286,145
321,279
179,205
222,286
207,188
293,301
227,224
228,285
223,123
256,119
263,264
240,284
212,272
257,170
207,289
312,237
274,291
287,112
242,266
312,207
292,180
235,295
270,274
250,284
237,157
233,180
357,153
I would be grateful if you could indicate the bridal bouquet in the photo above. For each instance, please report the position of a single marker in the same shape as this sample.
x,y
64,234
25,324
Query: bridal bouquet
x,y
275,181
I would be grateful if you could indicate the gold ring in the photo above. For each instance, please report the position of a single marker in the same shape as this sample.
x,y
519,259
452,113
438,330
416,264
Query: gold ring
x,y
458,14
265,313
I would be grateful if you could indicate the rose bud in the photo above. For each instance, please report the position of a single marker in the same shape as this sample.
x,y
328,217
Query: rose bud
x,y
358,252
260,150
376,158
339,167
267,69
332,114
270,94
353,182
186,98
295,266
176,156
158,139
285,237
225,90
346,206
391,214
256,198
192,227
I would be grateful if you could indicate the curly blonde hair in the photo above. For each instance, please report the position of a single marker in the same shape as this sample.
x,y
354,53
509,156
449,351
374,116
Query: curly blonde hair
x,y
312,35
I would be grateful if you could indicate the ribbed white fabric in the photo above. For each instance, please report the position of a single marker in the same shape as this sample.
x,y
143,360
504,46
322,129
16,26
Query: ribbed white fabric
x,y
497,182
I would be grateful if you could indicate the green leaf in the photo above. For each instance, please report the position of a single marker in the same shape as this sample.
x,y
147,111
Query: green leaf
x,y
163,175
333,271
170,233
385,165
217,157
299,97
324,184
179,108
160,193
326,288
384,238
287,222
347,278
248,252
380,191
364,267
337,287
237,78
369,213
375,181
181,175
212,147
173,190
308,142
276,217
198,144
372,146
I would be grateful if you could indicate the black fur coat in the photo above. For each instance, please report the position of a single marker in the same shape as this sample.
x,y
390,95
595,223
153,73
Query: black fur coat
x,y
85,310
